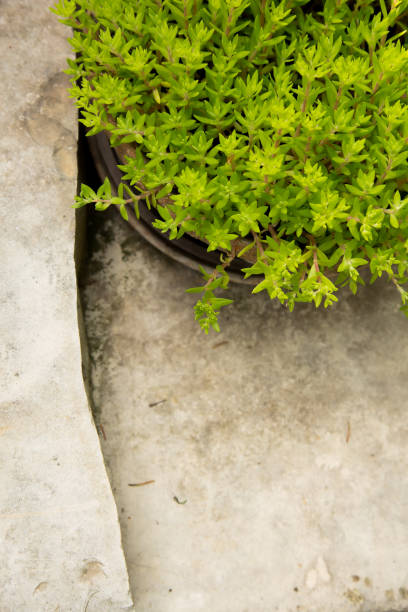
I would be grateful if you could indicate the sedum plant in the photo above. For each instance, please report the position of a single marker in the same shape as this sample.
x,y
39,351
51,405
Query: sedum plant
x,y
284,123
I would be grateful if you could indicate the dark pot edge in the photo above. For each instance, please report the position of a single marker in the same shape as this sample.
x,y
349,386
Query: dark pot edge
x,y
190,256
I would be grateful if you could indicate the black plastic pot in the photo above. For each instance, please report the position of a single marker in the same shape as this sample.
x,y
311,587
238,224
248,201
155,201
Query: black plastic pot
x,y
187,250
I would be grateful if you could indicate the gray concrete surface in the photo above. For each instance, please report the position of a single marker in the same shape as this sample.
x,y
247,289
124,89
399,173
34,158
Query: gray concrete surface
x,y
285,435
59,535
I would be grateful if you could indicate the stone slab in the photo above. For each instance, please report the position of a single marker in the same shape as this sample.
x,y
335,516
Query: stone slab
x,y
285,435
60,538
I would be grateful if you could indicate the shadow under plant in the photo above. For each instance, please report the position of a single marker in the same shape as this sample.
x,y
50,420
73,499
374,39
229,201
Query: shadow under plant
x,y
273,452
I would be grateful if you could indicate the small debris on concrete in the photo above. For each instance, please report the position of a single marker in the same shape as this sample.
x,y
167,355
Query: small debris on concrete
x,y
389,594
40,587
157,403
176,499
354,596
140,484
91,571
222,343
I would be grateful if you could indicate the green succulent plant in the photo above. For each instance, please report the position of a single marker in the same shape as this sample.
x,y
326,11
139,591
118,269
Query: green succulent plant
x,y
281,123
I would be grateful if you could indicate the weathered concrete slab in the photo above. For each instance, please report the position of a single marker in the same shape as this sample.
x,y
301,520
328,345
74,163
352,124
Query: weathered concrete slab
x,y
286,436
60,539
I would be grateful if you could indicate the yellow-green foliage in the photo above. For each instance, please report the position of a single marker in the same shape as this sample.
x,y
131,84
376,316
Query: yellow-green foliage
x,y
282,122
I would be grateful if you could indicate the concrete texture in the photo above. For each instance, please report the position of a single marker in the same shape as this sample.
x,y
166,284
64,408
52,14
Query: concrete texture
x,y
278,448
60,538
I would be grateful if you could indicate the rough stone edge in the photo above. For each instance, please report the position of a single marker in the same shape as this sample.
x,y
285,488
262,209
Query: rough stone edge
x,y
78,243
80,256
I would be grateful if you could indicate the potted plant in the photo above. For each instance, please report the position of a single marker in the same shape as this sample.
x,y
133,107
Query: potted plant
x,y
274,132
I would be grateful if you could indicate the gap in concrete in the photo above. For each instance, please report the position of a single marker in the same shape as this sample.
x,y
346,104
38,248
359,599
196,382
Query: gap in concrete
x,y
84,240
85,245
91,235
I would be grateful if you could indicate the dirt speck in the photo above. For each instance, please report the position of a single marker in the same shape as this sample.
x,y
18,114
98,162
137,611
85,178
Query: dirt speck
x,y
354,596
389,594
40,587
403,592
367,582
355,578
91,571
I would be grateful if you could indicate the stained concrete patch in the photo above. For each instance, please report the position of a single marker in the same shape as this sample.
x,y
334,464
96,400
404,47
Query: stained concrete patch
x,y
60,539
277,448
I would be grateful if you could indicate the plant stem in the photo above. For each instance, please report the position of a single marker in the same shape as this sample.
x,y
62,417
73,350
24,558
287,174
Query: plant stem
x,y
258,243
273,233
304,106
315,260
263,5
337,101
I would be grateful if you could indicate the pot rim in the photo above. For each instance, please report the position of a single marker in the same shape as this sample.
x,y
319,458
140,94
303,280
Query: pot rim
x,y
187,250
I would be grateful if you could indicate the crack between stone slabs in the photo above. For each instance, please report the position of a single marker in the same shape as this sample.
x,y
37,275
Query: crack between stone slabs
x,y
80,256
